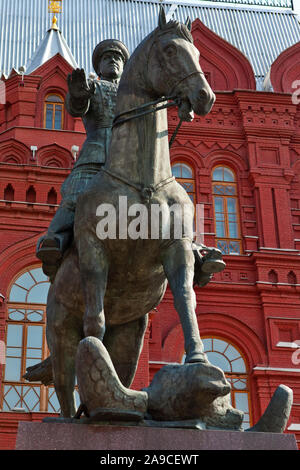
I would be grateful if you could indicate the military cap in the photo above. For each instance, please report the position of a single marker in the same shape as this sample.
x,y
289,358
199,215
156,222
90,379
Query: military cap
x,y
106,46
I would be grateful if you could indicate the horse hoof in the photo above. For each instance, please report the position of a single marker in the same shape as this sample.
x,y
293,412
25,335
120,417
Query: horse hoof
x,y
213,266
196,357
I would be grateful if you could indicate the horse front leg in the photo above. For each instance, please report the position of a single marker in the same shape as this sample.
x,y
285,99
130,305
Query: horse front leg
x,y
124,344
93,266
63,336
178,262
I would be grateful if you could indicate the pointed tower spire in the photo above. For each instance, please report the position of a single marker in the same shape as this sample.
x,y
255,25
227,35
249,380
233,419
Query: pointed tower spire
x,y
52,44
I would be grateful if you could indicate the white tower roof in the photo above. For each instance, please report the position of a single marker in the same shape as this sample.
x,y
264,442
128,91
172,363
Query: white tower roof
x,y
52,44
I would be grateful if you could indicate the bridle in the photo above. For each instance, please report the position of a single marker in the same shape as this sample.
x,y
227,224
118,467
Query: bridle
x,y
142,110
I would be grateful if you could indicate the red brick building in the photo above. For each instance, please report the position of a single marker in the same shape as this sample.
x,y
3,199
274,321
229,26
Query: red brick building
x,y
242,162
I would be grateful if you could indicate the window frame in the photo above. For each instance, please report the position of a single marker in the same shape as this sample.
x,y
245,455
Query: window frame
x,y
54,105
227,239
193,193
23,358
183,180
233,375
45,392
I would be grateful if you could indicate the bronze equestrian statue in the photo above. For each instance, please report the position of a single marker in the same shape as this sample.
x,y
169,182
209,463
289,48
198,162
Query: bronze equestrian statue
x,y
105,287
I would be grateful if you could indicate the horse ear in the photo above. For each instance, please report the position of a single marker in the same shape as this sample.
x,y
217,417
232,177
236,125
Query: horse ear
x,y
188,23
162,21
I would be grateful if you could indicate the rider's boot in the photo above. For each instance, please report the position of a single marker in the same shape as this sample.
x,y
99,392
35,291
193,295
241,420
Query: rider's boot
x,y
52,246
50,250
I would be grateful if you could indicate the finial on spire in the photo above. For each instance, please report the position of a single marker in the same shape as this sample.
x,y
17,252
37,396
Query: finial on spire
x,y
54,23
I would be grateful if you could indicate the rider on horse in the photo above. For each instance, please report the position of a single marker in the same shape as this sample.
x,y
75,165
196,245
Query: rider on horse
x,y
93,100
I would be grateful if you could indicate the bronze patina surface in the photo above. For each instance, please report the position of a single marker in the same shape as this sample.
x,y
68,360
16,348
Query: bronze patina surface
x,y
116,282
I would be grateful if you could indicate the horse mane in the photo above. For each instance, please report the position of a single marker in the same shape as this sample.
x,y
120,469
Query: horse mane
x,y
175,26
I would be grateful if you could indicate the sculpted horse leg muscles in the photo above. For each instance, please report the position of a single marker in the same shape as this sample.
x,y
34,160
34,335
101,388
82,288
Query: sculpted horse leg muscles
x,y
63,353
124,344
63,336
93,267
178,261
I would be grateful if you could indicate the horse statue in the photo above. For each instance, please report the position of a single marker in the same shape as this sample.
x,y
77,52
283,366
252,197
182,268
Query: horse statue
x,y
105,287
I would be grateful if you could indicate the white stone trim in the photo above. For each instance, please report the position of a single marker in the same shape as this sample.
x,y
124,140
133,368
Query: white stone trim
x,y
163,363
279,369
294,427
283,344
278,249
276,283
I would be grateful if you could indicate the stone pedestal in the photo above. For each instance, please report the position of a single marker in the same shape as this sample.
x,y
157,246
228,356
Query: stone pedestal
x,y
65,436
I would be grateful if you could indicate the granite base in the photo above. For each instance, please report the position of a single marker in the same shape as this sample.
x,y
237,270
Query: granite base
x,y
65,436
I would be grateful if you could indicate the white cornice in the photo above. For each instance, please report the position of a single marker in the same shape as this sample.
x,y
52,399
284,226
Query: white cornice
x,y
277,369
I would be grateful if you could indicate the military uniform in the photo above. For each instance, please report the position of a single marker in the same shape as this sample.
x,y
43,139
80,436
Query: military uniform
x,y
97,114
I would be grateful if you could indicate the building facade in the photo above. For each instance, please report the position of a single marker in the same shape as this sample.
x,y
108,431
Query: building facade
x,y
241,163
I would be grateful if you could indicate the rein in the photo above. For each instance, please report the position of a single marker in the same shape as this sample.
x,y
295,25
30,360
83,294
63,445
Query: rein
x,y
117,121
174,102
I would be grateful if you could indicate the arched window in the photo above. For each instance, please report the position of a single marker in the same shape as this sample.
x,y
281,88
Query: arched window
x,y
273,276
9,193
185,176
31,195
292,278
226,211
227,357
53,112
52,197
26,345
